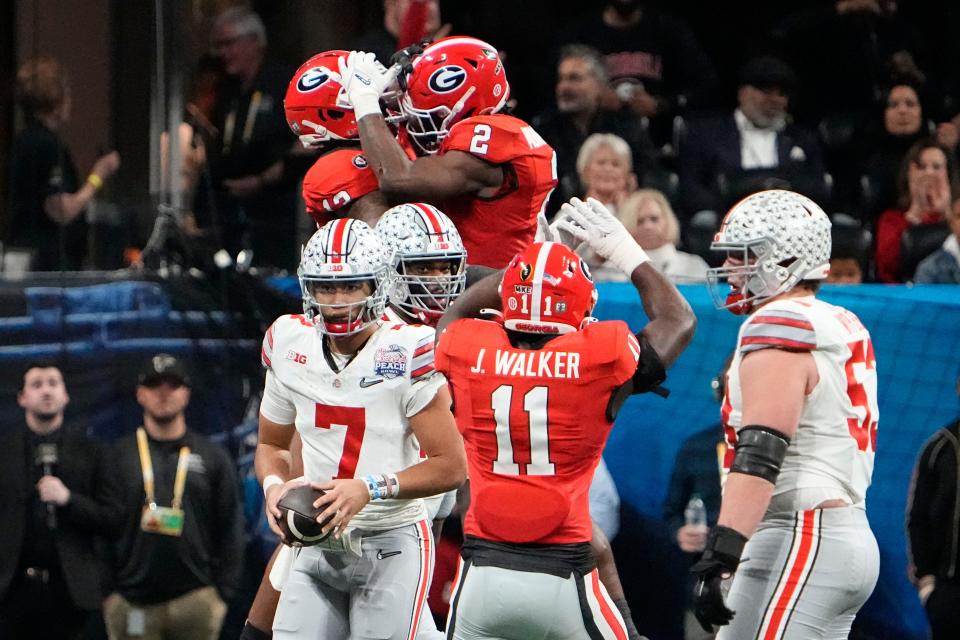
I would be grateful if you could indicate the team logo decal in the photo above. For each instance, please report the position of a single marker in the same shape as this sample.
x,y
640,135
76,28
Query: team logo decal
x,y
525,271
391,361
512,303
312,78
360,162
560,307
586,270
446,79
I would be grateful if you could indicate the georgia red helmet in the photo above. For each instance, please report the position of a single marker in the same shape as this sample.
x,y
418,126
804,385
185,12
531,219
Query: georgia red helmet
x,y
454,78
315,107
547,289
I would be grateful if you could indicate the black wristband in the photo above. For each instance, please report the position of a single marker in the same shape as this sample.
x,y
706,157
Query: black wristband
x,y
725,545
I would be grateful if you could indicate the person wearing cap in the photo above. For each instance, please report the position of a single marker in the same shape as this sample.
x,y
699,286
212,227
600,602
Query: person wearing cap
x,y
57,496
180,554
756,146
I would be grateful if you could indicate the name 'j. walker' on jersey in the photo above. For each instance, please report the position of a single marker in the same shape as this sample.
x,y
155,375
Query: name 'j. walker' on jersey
x,y
353,416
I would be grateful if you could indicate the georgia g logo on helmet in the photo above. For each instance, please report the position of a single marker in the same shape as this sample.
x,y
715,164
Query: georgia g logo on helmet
x,y
447,79
312,78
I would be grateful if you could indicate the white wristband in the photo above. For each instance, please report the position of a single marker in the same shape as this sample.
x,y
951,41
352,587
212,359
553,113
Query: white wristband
x,y
271,480
627,256
365,105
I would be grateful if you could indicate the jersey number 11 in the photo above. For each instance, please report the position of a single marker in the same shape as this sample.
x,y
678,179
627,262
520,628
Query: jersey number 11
x,y
535,405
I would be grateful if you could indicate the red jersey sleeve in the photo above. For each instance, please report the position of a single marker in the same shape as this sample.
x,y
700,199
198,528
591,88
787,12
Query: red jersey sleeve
x,y
335,180
497,139
613,347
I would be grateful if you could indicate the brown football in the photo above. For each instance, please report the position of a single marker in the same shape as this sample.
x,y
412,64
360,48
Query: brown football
x,y
298,519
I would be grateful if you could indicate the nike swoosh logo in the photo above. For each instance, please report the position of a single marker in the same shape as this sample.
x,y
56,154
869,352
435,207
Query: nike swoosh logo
x,y
381,554
369,382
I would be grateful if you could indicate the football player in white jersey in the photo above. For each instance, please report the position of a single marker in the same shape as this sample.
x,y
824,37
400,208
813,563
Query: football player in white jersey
x,y
431,265
365,398
800,416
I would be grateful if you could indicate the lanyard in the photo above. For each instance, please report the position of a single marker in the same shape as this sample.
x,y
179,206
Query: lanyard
x,y
231,122
146,466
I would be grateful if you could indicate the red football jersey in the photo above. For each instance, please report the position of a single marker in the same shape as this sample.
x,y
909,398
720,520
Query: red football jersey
x,y
534,424
335,180
496,228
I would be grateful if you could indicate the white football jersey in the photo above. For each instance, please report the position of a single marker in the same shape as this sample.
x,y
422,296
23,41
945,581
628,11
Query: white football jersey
x,y
832,454
353,422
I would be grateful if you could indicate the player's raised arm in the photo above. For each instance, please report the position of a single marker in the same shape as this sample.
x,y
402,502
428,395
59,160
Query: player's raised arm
x,y
430,177
672,322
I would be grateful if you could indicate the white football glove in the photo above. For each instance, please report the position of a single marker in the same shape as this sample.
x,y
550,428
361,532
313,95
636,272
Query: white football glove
x,y
364,80
551,231
591,222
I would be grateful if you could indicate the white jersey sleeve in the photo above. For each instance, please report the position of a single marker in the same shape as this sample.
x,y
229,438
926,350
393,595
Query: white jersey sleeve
x,y
276,405
424,378
832,454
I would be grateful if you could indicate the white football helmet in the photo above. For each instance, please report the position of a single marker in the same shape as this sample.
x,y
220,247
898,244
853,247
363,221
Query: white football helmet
x,y
419,233
344,252
778,238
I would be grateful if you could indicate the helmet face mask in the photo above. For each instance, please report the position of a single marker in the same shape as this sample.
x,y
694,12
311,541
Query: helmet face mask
x,y
422,238
345,256
426,297
773,239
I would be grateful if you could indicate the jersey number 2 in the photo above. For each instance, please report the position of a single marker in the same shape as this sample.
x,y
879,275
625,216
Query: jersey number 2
x,y
481,135
535,404
354,420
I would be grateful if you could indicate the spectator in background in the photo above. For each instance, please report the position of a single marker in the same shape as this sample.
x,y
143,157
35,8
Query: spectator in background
x,y
726,157
48,196
180,553
932,515
845,267
605,168
943,266
697,474
57,494
926,185
655,64
581,79
254,195
404,23
604,501
884,146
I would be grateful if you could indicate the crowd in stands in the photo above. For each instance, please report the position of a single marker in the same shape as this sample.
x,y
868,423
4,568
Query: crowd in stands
x,y
865,123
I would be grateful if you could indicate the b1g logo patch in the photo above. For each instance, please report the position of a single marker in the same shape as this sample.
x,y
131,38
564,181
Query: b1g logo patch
x,y
312,78
446,79
391,361
360,162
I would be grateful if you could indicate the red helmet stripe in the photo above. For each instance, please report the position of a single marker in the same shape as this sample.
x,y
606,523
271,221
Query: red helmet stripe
x,y
431,219
338,240
535,299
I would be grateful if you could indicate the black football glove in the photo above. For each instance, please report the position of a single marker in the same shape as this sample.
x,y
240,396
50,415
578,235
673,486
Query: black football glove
x,y
720,559
404,58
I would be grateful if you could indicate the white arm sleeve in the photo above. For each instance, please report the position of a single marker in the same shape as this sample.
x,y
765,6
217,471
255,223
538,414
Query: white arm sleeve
x,y
276,404
421,393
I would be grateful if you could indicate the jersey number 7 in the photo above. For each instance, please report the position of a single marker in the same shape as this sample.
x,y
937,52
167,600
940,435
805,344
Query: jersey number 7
x,y
535,405
354,420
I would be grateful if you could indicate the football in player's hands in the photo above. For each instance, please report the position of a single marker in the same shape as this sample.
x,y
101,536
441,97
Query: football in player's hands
x,y
298,519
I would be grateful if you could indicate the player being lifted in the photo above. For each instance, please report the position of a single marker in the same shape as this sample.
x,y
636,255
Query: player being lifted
x,y
535,395
800,416
365,398
490,172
